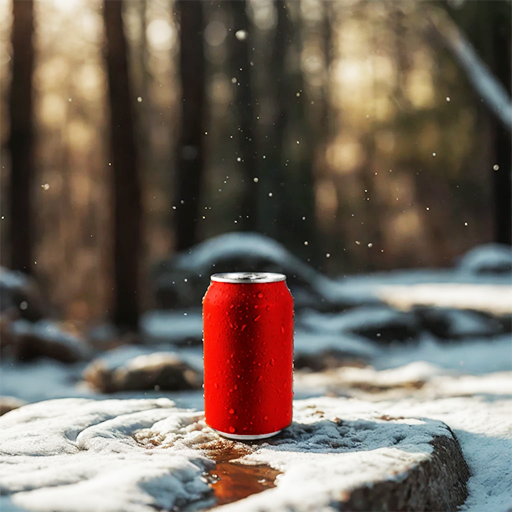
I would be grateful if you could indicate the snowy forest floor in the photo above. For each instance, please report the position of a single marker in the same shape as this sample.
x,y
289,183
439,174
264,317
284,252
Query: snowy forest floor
x,y
446,360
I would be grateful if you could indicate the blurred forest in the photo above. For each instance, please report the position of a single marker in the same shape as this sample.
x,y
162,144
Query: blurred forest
x,y
355,132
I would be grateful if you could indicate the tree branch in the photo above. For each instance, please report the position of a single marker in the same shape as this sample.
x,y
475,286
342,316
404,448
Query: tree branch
x,y
479,75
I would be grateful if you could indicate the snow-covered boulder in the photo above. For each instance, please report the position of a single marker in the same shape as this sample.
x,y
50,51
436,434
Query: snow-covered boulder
x,y
378,323
181,327
487,259
141,455
46,338
20,294
137,369
456,324
320,350
181,281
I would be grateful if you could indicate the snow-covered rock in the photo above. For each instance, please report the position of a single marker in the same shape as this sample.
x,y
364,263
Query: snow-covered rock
x,y
81,455
20,293
47,339
182,281
455,324
487,259
379,323
318,351
138,455
138,369
181,327
477,408
9,403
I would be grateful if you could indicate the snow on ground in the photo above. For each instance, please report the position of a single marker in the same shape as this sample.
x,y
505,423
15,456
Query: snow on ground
x,y
318,468
494,299
473,398
477,408
483,426
80,455
178,326
473,356
138,455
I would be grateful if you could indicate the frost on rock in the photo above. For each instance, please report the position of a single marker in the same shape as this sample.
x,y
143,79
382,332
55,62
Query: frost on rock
x,y
487,259
140,369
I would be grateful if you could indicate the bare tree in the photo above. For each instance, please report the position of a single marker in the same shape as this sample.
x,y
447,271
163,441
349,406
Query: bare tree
x,y
190,150
21,141
125,179
241,62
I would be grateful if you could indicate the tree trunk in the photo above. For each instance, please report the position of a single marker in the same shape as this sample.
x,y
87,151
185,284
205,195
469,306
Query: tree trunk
x,y
502,184
126,186
271,177
21,142
241,61
190,150
298,228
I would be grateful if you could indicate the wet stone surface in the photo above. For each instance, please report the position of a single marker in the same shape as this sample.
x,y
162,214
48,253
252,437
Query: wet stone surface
x,y
233,481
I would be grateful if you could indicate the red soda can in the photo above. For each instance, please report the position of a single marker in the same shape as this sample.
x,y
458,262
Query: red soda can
x,y
248,354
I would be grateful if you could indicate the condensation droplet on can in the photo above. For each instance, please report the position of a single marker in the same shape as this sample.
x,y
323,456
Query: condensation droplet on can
x,y
265,418
256,318
232,430
282,329
231,411
260,295
272,361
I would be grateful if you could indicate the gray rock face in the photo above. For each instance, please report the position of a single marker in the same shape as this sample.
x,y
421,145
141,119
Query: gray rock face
x,y
131,369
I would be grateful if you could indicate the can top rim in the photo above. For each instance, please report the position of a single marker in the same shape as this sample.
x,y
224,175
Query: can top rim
x,y
248,277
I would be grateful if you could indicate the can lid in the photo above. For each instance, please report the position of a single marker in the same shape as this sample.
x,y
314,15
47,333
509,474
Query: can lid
x,y
248,277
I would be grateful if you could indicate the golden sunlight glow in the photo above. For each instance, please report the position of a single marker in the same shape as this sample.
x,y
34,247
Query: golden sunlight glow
x,y
69,5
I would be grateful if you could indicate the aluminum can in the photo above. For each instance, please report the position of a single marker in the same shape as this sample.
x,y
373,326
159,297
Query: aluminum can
x,y
248,354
